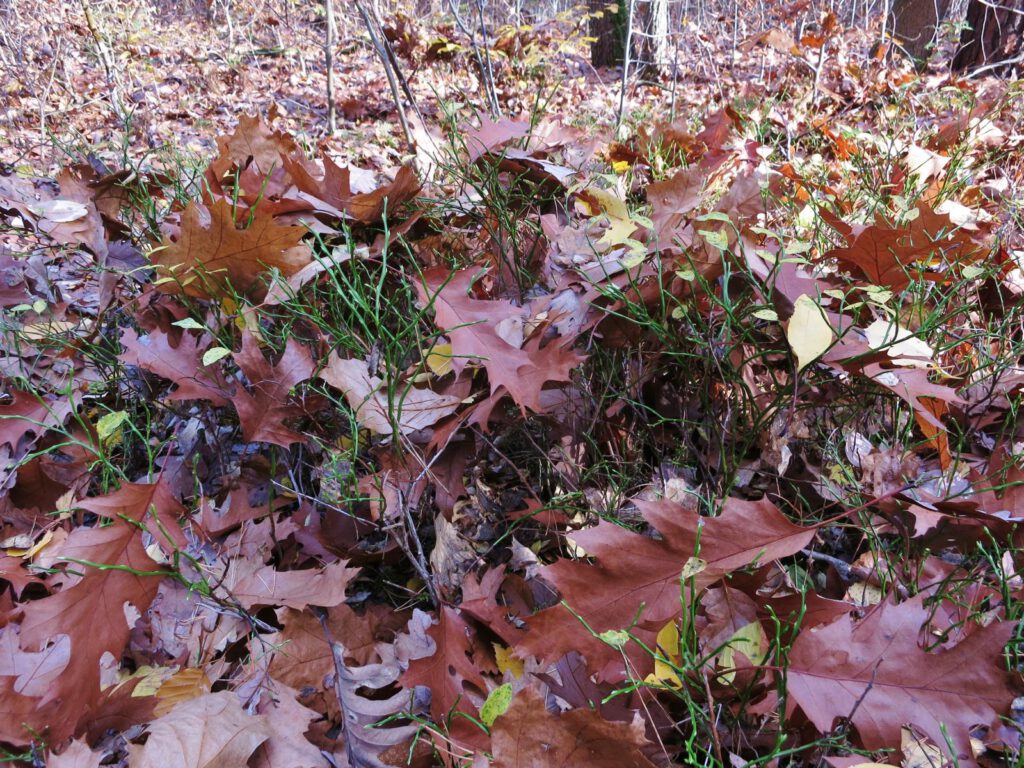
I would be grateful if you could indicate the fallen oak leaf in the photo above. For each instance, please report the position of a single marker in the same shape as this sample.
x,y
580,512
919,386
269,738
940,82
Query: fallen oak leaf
x,y
253,144
75,755
263,412
288,721
333,191
265,585
180,364
29,415
491,332
212,256
116,570
527,734
634,570
878,663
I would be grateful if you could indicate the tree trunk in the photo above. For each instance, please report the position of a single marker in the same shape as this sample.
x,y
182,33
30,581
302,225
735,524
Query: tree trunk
x,y
914,23
608,28
993,36
654,54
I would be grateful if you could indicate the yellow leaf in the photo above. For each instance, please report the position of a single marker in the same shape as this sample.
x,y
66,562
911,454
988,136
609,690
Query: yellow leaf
x,y
439,359
150,681
620,166
29,552
692,567
619,231
668,648
108,427
507,662
749,640
609,203
808,331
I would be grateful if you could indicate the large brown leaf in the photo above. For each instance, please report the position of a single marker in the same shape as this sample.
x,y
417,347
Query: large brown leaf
x,y
212,731
252,145
27,417
449,660
211,251
876,672
413,408
92,611
265,585
892,255
529,736
181,364
635,572
334,189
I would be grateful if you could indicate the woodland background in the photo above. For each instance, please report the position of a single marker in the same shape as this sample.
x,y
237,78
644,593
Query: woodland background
x,y
511,383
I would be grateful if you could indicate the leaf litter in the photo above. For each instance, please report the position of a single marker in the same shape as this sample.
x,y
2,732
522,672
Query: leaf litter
x,y
674,449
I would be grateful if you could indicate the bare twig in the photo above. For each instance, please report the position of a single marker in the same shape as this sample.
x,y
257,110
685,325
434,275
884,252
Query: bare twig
x,y
376,38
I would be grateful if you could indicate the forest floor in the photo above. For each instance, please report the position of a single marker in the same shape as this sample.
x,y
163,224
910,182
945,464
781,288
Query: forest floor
x,y
524,439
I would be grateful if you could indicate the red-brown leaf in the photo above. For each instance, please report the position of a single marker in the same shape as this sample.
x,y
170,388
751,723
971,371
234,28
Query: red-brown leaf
x,y
878,664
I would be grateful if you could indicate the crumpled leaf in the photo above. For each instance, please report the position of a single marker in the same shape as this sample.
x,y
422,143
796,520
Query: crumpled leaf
x,y
415,408
364,744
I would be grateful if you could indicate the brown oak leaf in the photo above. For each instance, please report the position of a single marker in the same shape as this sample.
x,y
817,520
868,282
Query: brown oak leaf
x,y
493,332
333,191
181,364
529,736
207,732
878,664
265,585
92,610
642,573
211,252
414,408
263,411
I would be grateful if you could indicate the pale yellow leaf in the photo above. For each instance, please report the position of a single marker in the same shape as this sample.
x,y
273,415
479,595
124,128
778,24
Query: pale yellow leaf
x,y
808,331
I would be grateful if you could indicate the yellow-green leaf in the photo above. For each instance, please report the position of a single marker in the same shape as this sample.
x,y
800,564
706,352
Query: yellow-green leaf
x,y
496,704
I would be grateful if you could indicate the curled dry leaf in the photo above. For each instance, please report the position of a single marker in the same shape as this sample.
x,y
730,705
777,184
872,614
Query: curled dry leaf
x,y
365,744
414,408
